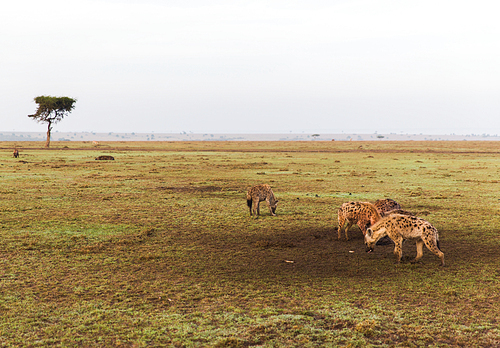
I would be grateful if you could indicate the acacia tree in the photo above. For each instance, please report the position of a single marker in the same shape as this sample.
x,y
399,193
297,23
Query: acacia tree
x,y
52,110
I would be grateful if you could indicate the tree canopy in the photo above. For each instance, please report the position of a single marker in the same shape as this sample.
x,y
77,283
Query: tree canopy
x,y
52,110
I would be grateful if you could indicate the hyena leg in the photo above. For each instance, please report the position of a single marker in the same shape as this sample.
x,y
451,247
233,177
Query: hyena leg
x,y
362,226
431,244
420,250
255,207
349,225
341,225
398,249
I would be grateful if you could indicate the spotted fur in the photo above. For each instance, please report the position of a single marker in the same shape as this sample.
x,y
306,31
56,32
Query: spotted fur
x,y
362,214
259,193
401,227
385,205
400,212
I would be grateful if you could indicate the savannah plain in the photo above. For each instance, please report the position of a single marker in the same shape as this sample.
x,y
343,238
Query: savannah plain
x,y
157,248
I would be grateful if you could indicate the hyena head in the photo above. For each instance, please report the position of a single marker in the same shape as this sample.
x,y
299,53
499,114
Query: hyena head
x,y
274,205
371,239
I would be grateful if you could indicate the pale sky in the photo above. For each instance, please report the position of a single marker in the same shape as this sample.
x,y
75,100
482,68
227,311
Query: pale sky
x,y
358,66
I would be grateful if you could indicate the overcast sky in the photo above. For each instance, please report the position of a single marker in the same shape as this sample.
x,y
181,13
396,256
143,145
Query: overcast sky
x,y
199,66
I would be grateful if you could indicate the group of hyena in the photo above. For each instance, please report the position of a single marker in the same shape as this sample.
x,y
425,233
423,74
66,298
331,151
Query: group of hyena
x,y
382,218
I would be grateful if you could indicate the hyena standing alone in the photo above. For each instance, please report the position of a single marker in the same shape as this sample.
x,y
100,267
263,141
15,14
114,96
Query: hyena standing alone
x,y
362,214
259,193
400,227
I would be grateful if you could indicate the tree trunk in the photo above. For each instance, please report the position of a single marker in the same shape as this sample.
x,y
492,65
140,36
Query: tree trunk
x,y
49,128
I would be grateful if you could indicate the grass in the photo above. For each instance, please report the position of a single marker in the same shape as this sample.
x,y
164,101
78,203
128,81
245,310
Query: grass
x,y
157,247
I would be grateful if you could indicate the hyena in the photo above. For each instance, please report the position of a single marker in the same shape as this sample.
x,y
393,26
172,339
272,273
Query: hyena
x,y
259,193
16,153
386,240
362,214
385,205
400,227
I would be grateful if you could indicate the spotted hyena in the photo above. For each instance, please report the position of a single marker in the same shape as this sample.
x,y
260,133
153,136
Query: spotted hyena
x,y
386,240
385,205
401,227
260,193
362,214
16,153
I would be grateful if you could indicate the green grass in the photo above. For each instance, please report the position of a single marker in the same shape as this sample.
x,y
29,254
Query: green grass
x,y
157,248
